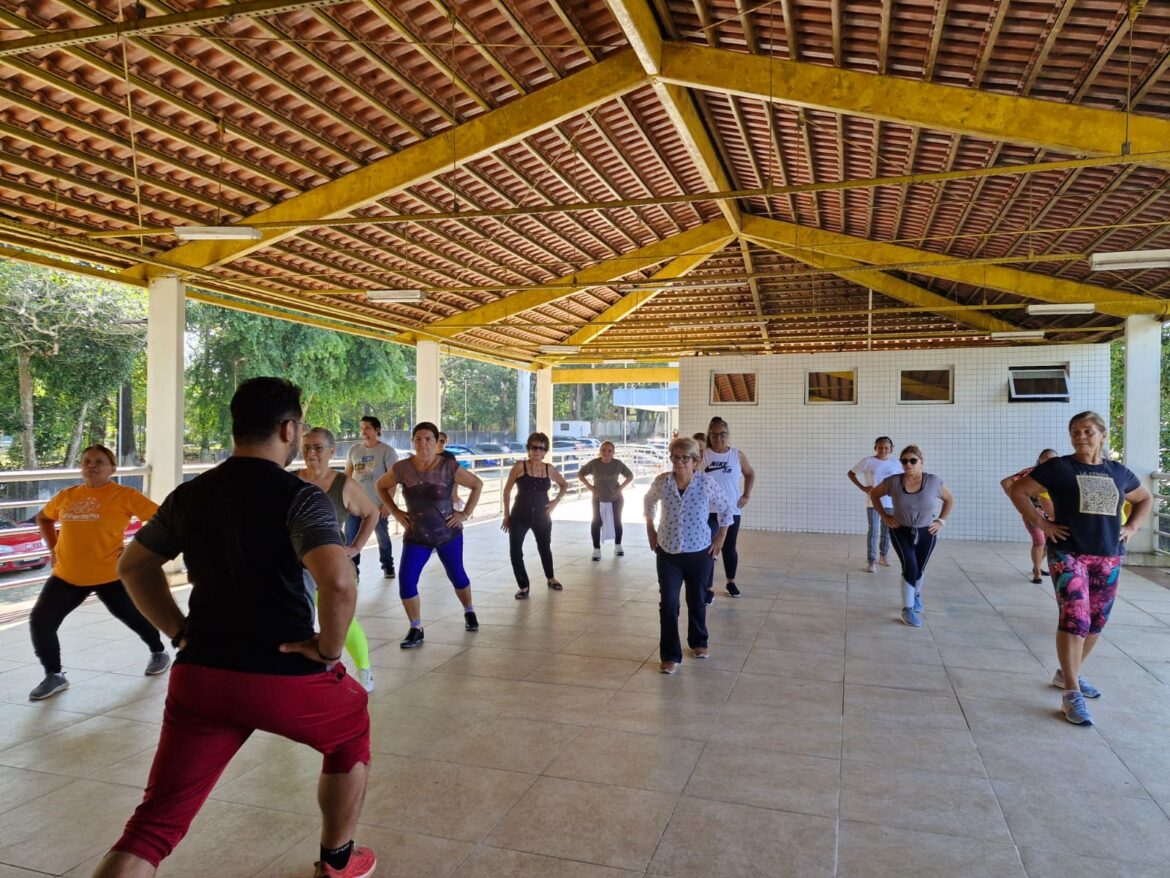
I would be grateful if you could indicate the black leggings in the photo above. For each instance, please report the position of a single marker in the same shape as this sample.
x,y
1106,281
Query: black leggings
x,y
541,526
595,525
58,599
729,552
913,546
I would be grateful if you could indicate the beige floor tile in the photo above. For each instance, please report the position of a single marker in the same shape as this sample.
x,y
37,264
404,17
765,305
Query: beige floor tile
x,y
735,841
795,694
25,722
19,785
1079,763
866,671
286,781
603,644
484,661
904,707
780,781
658,715
554,702
420,854
575,670
487,862
644,762
446,799
1090,824
1152,769
471,696
947,804
507,743
607,825
81,749
787,663
914,646
1010,661
408,731
35,836
1054,864
871,851
695,682
422,658
13,872
945,750
771,728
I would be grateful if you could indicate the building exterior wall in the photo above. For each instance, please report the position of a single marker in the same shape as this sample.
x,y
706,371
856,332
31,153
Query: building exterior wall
x,y
802,453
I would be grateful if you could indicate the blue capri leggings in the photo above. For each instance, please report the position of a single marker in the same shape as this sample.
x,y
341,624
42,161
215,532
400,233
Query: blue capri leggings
x,y
415,557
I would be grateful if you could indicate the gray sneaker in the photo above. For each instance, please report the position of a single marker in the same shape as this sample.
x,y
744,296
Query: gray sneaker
x,y
48,687
159,662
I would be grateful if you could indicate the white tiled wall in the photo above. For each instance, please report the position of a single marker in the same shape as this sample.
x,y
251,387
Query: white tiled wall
x,y
802,453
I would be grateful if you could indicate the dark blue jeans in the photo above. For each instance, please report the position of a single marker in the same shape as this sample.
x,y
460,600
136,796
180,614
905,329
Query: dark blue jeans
x,y
674,571
382,532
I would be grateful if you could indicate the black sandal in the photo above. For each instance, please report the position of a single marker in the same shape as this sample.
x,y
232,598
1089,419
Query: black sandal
x,y
522,595
554,585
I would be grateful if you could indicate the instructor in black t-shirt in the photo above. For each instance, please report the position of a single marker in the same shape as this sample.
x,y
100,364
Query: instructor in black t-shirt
x,y
248,656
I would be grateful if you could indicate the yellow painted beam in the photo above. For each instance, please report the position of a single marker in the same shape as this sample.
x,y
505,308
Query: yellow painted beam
x,y
999,117
807,241
596,275
640,27
890,286
617,375
510,123
634,300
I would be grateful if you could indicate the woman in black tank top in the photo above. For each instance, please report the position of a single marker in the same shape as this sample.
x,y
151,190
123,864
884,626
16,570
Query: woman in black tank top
x,y
532,510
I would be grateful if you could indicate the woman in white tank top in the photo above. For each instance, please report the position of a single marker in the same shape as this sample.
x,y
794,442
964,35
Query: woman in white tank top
x,y
727,466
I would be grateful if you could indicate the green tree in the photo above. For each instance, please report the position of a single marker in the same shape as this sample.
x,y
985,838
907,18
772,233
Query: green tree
x,y
477,397
1117,398
339,374
67,342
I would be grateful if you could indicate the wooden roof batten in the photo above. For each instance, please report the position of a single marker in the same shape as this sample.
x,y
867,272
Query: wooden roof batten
x,y
546,102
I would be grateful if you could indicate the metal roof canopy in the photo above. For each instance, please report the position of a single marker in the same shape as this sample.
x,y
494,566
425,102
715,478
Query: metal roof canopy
x,y
645,179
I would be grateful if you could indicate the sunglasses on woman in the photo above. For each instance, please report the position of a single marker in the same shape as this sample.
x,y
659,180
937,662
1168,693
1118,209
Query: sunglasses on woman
x,y
538,448
909,460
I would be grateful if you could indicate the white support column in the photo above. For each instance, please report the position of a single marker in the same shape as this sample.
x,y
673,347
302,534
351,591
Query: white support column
x,y
544,402
523,404
165,328
428,400
1143,395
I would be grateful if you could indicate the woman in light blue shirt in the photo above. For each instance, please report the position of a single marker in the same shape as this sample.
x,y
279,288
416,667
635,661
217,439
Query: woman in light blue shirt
x,y
685,547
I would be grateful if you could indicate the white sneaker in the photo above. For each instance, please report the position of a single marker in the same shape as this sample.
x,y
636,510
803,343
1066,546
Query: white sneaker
x,y
618,550
597,554
365,676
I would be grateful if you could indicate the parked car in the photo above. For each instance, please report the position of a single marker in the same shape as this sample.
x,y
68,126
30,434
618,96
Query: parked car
x,y
462,454
19,544
573,442
515,447
566,458
489,448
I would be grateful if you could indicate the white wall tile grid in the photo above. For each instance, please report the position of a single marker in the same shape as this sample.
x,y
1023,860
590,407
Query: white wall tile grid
x,y
801,453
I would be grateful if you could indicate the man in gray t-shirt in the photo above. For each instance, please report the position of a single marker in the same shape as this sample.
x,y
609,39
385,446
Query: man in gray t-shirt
x,y
365,463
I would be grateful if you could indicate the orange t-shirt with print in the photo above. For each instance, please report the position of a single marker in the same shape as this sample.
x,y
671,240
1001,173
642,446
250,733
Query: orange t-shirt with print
x,y
92,522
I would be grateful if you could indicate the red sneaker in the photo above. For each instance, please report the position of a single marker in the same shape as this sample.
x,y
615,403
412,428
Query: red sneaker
x,y
362,863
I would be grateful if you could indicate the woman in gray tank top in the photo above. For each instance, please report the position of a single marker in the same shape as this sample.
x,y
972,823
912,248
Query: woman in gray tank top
x,y
913,524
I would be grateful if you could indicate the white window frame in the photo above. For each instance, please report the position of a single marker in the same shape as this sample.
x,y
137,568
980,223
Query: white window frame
x,y
1062,368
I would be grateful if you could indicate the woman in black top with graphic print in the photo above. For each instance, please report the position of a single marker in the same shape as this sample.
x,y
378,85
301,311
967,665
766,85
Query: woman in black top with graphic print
x,y
532,510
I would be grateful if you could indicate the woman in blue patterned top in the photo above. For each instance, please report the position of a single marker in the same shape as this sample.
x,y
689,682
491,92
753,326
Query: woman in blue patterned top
x,y
685,547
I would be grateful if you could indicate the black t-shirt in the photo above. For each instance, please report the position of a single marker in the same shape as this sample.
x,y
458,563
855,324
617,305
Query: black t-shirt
x,y
1087,499
243,528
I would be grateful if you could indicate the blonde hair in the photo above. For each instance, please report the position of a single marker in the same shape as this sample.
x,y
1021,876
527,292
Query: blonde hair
x,y
1089,416
913,449
685,444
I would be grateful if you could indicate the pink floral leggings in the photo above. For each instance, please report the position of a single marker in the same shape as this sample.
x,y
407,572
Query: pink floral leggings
x,y
1086,586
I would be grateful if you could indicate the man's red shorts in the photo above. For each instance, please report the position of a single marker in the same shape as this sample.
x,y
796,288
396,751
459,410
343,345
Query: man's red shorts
x,y
209,715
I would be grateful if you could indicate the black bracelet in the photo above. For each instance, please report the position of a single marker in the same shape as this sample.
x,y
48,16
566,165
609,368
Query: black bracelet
x,y
326,658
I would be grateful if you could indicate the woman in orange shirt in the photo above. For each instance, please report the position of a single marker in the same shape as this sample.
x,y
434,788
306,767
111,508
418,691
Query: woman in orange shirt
x,y
84,554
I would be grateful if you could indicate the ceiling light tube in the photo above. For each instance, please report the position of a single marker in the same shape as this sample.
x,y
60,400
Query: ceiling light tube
x,y
1018,335
395,295
217,233
1127,259
1061,308
559,348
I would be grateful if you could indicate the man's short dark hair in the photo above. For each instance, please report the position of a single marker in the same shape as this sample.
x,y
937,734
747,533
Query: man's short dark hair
x,y
373,422
261,405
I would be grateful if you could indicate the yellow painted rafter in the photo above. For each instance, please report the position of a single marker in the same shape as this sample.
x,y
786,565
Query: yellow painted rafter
x,y
806,242
601,274
571,96
631,302
617,375
1046,124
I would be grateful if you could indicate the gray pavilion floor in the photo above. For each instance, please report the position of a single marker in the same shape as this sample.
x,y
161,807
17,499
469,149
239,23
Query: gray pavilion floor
x,y
823,738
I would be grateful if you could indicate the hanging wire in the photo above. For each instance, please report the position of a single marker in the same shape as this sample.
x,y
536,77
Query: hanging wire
x,y
130,124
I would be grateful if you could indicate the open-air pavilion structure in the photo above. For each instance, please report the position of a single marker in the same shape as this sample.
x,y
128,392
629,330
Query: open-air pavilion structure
x,y
600,190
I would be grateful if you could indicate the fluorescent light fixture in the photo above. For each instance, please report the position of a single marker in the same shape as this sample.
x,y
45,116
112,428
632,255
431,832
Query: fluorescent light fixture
x,y
1019,335
1125,259
559,348
217,233
617,362
395,295
1061,308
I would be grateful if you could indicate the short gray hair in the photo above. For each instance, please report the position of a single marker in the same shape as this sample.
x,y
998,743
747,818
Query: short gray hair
x,y
687,446
325,433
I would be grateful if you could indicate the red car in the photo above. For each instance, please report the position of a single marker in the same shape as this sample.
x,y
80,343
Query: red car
x,y
20,544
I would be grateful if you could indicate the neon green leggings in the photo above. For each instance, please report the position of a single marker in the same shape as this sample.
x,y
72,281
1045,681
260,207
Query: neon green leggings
x,y
355,641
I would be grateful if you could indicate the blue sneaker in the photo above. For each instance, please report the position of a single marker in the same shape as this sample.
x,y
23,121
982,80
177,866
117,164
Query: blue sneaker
x,y
1074,709
910,617
1087,688
918,603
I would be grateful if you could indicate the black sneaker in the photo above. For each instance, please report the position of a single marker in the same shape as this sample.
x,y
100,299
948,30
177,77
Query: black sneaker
x,y
414,637
708,596
387,574
48,687
732,591
469,621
